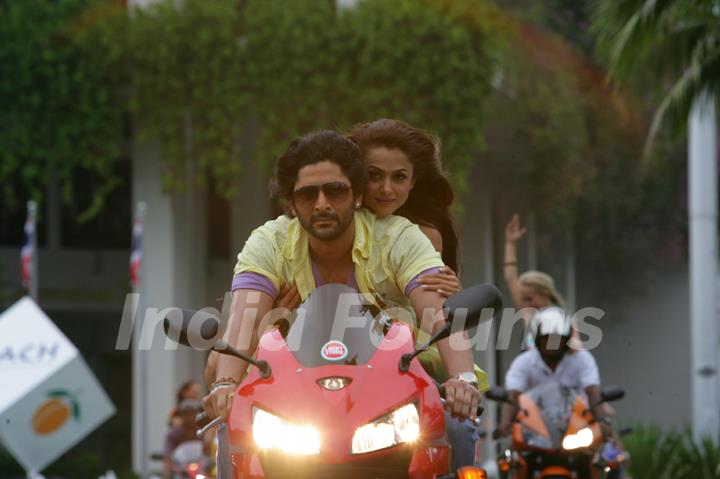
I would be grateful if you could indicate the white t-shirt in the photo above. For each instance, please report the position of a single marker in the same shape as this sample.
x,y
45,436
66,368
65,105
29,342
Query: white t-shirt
x,y
576,370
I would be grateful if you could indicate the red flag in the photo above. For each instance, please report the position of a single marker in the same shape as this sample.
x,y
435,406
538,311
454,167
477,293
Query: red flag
x,y
136,248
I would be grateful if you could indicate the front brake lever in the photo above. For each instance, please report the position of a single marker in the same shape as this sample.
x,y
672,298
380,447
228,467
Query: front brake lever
x,y
211,425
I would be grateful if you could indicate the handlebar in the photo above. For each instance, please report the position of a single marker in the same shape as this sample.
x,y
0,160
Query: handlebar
x,y
478,413
205,424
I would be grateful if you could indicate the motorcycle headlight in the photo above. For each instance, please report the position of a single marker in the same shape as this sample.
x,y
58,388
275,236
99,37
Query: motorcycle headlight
x,y
583,438
400,426
273,432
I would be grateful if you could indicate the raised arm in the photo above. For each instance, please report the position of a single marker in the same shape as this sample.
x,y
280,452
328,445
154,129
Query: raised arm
x,y
247,310
513,233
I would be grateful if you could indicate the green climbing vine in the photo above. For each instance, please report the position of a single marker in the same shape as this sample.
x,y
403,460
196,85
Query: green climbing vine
x,y
194,75
61,94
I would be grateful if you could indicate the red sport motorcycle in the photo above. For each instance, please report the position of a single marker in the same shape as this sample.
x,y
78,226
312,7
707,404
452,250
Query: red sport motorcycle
x,y
339,393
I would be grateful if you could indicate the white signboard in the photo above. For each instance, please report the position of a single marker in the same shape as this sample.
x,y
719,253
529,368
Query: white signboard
x,y
49,398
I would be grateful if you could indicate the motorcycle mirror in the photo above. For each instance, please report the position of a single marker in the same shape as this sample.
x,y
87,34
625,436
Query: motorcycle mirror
x,y
497,393
191,328
466,305
198,329
469,304
612,393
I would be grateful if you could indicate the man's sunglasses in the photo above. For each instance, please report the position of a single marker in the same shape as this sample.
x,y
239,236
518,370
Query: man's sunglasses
x,y
334,192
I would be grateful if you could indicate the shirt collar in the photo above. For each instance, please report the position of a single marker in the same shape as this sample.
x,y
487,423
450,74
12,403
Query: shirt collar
x,y
296,246
296,251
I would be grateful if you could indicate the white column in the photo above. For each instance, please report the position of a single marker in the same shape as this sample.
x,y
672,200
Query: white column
x,y
174,273
703,197
490,363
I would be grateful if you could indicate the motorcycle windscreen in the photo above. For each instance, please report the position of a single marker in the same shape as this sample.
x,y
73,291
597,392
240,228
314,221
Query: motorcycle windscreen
x,y
555,403
333,326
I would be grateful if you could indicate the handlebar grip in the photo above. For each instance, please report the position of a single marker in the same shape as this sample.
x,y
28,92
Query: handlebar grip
x,y
441,390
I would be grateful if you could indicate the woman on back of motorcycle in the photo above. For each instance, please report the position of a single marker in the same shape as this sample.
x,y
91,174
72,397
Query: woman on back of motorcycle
x,y
405,178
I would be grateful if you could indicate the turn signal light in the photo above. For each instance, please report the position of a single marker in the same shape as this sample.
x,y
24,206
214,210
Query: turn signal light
x,y
471,473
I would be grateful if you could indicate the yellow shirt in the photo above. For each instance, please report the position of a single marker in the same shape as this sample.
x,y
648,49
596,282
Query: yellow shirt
x,y
387,253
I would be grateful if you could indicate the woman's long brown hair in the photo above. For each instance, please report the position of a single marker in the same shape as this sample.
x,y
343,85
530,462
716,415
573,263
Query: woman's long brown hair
x,y
429,201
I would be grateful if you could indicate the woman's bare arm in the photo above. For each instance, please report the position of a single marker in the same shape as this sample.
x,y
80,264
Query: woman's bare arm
x,y
446,282
434,236
513,232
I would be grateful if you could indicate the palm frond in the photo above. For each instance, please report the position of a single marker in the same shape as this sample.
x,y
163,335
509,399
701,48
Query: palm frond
x,y
628,29
662,39
700,76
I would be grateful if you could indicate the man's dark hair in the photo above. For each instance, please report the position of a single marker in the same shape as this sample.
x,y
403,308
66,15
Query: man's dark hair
x,y
322,145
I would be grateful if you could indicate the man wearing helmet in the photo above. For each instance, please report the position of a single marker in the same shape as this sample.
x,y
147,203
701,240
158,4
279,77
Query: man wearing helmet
x,y
551,359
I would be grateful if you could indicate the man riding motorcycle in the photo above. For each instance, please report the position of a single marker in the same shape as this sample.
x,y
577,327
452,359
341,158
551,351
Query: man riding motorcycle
x,y
552,359
331,240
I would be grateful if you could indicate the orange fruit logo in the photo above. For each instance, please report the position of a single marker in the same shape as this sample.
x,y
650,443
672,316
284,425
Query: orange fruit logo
x,y
52,414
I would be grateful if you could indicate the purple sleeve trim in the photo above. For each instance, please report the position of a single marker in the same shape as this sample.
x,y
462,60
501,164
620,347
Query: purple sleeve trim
x,y
254,281
413,282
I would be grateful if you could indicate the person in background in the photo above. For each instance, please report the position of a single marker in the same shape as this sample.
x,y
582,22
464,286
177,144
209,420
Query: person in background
x,y
184,431
532,290
189,390
551,360
554,360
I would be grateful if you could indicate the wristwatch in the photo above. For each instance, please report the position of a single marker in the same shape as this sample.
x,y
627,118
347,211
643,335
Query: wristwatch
x,y
468,377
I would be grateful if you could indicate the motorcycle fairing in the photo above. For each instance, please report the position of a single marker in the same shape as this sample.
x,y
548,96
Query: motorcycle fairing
x,y
292,392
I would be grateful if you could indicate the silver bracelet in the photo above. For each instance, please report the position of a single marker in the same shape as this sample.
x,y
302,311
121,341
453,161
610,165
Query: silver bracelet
x,y
217,386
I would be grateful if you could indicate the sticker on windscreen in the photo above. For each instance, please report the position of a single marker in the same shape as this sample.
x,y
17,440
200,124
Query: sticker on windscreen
x,y
334,351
